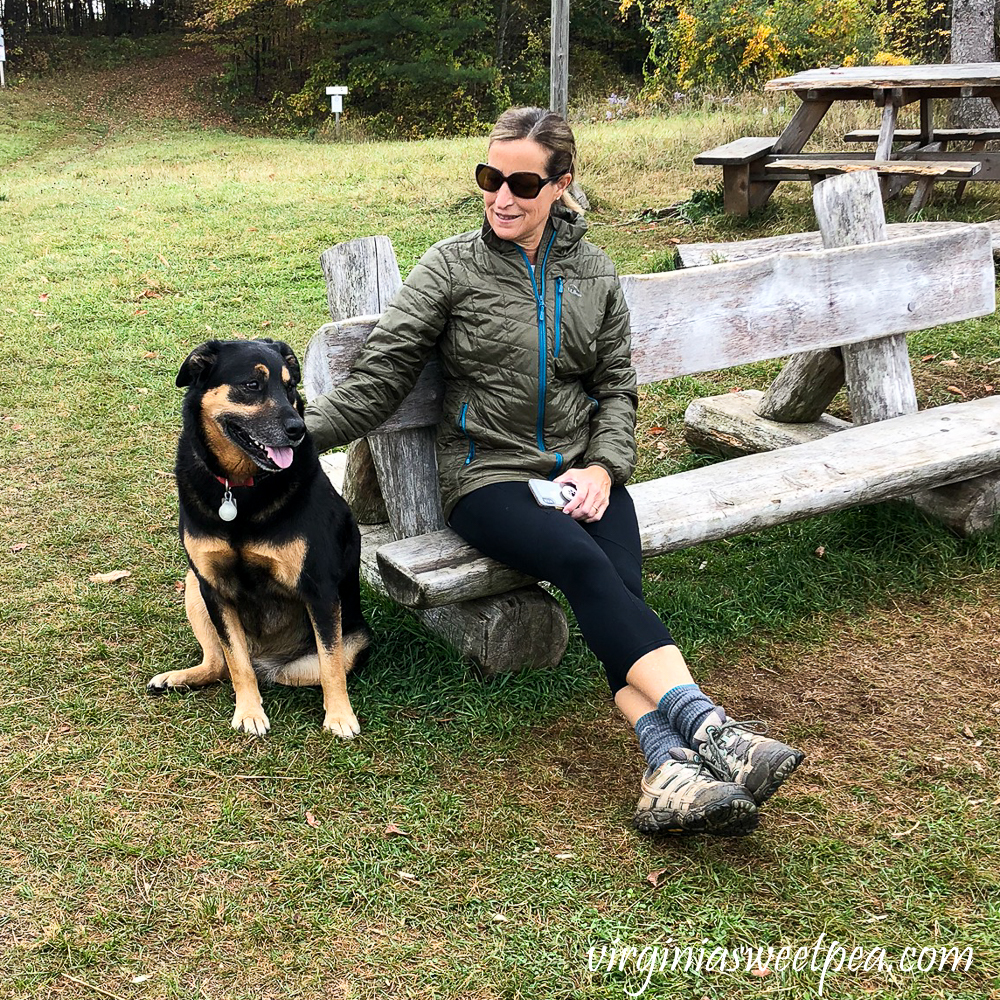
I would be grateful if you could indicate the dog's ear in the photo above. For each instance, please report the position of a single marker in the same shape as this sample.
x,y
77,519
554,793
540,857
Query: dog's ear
x,y
288,356
198,363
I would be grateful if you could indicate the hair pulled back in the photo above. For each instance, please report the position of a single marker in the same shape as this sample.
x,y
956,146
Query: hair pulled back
x,y
550,131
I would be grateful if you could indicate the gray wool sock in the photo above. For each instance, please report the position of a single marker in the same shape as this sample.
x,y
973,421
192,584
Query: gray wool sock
x,y
689,711
657,738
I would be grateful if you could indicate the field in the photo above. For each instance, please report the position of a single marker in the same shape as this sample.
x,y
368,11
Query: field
x,y
475,841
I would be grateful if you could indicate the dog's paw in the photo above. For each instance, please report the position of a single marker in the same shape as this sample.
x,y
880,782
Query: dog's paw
x,y
162,683
342,724
252,721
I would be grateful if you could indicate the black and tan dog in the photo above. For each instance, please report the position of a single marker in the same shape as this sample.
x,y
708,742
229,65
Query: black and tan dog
x,y
272,590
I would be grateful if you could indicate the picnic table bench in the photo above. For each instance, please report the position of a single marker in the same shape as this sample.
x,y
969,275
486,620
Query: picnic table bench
x,y
753,166
850,303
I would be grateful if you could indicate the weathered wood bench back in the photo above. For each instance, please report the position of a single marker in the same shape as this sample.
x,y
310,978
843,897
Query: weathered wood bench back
x,y
705,319
843,309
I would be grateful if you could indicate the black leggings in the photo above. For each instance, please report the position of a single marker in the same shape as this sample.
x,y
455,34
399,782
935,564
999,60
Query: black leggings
x,y
598,566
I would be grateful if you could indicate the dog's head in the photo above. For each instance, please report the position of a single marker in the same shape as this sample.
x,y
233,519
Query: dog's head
x,y
247,402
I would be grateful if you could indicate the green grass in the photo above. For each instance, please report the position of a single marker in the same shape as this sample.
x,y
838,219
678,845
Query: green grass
x,y
148,851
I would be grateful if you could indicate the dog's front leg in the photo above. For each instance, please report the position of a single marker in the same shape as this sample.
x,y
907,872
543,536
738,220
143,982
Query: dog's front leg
x,y
339,716
249,715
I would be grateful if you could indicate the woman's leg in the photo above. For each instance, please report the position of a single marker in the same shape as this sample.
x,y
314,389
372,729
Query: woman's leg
x,y
597,567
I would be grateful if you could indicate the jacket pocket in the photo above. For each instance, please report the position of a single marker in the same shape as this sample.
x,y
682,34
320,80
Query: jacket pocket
x,y
574,344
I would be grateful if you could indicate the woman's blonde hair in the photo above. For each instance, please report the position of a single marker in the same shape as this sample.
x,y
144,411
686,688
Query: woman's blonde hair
x,y
550,131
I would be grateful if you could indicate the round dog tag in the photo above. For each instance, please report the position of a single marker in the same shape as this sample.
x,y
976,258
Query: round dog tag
x,y
228,509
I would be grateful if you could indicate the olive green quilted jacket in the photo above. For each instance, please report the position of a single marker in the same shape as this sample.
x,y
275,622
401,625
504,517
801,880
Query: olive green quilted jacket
x,y
537,362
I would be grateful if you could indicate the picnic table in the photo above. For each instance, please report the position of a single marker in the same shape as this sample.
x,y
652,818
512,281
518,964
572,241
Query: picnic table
x,y
753,166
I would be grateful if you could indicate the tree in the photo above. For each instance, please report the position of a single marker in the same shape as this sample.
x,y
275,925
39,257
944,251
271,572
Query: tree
x,y
973,39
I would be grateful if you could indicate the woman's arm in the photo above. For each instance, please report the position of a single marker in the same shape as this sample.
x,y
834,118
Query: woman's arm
x,y
613,384
391,360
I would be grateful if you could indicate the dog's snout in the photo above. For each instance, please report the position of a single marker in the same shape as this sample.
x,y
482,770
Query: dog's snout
x,y
295,428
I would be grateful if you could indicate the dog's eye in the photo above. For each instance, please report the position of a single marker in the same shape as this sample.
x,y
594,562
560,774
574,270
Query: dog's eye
x,y
252,386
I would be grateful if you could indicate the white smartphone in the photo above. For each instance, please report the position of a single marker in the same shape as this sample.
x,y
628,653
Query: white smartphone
x,y
549,494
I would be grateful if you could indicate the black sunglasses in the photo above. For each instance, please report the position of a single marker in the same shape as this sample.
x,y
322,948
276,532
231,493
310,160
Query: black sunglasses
x,y
523,184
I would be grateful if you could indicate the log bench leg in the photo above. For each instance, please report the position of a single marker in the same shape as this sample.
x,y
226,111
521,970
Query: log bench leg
x,y
523,628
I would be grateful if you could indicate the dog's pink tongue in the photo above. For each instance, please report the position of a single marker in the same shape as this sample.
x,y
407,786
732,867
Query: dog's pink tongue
x,y
282,457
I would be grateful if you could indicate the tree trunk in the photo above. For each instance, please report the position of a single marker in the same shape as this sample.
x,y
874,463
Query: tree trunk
x,y
973,39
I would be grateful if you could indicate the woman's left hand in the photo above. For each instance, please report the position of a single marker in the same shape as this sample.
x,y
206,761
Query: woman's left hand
x,y
593,491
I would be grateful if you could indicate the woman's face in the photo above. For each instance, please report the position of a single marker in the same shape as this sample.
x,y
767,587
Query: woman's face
x,y
521,220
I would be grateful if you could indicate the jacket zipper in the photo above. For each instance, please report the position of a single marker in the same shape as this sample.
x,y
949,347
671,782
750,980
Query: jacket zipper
x,y
472,444
538,287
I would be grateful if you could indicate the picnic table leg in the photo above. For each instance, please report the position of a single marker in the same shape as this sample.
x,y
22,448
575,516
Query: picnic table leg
x,y
736,189
794,136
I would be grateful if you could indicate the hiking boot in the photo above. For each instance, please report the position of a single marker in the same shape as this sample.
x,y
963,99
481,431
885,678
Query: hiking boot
x,y
683,797
740,752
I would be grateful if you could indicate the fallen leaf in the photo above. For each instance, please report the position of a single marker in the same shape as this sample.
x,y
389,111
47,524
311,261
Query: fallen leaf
x,y
655,879
394,831
820,551
140,312
968,733
409,876
44,297
113,577
950,364
311,820
760,973
987,388
149,355
179,586
954,389
498,918
736,388
137,980
928,357
656,430
18,547
565,854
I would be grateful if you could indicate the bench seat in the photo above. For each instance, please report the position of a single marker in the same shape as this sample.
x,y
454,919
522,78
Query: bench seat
x,y
940,135
916,168
745,150
880,461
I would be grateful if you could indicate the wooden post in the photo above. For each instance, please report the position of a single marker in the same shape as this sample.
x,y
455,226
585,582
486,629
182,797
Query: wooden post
x,y
559,58
879,380
849,210
526,627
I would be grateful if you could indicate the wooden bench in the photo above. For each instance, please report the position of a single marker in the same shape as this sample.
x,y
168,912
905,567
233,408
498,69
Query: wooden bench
x,y
820,167
979,137
894,174
853,304
737,159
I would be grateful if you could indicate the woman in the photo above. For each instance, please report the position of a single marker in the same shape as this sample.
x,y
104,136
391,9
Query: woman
x,y
533,335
